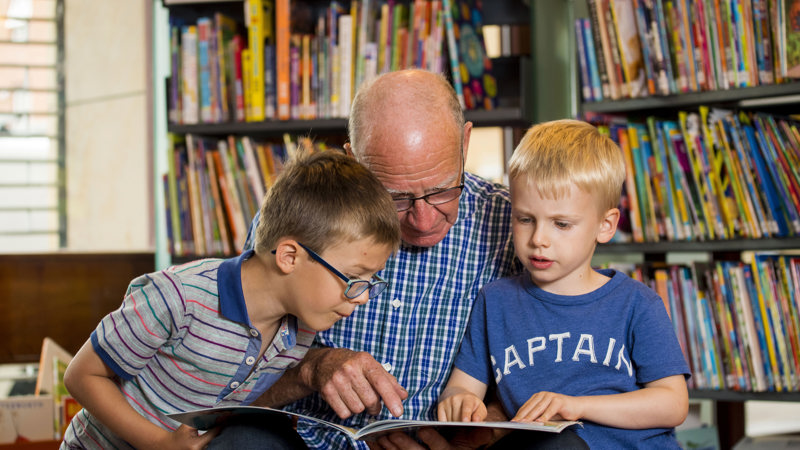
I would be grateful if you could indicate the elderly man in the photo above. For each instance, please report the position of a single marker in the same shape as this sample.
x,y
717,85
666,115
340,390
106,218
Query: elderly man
x,y
396,351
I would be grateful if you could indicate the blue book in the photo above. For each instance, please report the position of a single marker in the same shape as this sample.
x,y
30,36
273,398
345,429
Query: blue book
x,y
591,57
583,63
767,182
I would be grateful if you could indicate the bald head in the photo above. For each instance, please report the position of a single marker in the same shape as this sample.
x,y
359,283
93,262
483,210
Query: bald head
x,y
413,97
407,127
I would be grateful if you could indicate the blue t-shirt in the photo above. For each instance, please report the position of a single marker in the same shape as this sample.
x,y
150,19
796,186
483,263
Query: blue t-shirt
x,y
609,341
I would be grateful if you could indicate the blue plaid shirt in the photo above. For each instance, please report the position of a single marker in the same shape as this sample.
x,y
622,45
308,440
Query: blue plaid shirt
x,y
415,326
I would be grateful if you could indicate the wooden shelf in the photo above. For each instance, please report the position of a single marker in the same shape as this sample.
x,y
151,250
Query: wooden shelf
x,y
737,396
510,116
758,96
765,244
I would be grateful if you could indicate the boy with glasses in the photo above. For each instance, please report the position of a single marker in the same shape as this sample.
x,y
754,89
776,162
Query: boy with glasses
x,y
220,332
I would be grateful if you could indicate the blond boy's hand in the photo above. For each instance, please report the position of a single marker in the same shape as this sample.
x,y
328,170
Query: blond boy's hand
x,y
544,406
462,407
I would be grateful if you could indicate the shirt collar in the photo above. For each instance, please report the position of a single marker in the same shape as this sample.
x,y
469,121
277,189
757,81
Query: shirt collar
x,y
229,285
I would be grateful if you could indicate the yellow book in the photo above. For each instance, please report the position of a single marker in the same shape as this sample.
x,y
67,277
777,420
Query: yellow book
x,y
254,20
718,185
745,213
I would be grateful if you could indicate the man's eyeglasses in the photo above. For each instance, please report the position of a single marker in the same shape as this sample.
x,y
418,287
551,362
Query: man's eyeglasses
x,y
354,287
433,199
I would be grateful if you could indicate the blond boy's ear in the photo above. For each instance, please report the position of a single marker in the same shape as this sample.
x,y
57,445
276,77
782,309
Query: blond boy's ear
x,y
608,225
286,255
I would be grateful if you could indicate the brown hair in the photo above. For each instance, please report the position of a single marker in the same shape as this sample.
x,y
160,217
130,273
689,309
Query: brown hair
x,y
324,198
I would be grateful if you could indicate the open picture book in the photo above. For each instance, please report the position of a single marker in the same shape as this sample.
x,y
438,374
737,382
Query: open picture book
x,y
204,419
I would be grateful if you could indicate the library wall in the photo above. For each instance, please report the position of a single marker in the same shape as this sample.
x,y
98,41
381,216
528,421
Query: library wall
x,y
108,147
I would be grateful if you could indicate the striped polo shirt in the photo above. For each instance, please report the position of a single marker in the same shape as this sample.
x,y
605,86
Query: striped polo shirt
x,y
182,340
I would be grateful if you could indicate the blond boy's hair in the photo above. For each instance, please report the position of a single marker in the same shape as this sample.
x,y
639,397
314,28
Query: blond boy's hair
x,y
560,154
321,199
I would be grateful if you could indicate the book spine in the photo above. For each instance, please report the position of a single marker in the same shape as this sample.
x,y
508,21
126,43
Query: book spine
x,y
254,19
282,59
189,91
583,64
600,52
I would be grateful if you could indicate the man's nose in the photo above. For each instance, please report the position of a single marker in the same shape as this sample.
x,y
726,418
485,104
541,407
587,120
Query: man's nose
x,y
422,215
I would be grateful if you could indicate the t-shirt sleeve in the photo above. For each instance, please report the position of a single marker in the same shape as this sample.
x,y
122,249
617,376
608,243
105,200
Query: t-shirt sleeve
x,y
473,354
656,350
149,317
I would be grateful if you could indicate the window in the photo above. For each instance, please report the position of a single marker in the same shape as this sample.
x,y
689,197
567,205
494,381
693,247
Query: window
x,y
32,185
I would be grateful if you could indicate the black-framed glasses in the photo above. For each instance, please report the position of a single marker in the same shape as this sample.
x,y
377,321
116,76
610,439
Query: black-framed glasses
x,y
354,287
433,199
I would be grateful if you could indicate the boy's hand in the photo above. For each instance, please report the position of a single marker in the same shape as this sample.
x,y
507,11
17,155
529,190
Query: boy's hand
x,y
462,407
353,382
544,406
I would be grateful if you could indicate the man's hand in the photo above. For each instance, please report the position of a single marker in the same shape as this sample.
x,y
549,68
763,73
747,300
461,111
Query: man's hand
x,y
352,382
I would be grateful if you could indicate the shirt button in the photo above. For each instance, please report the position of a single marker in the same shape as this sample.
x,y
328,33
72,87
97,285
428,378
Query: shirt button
x,y
250,360
387,366
234,385
396,303
253,332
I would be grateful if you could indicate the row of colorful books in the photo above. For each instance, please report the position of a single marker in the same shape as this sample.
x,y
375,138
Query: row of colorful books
x,y
738,323
711,174
214,187
639,48
303,61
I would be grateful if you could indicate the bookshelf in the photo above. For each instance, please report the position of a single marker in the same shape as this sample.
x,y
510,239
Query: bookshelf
x,y
751,93
511,110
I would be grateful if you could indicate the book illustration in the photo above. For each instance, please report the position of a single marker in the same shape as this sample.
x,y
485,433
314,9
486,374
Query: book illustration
x,y
474,67
203,419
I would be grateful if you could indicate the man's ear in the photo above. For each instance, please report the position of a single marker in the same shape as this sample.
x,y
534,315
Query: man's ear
x,y
348,149
286,255
467,132
608,225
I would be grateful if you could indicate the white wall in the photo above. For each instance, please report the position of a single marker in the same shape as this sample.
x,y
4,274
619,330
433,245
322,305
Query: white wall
x,y
108,153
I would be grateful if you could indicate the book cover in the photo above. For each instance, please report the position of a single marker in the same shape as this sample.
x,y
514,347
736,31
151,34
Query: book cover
x,y
635,210
624,21
478,84
647,35
207,418
452,50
